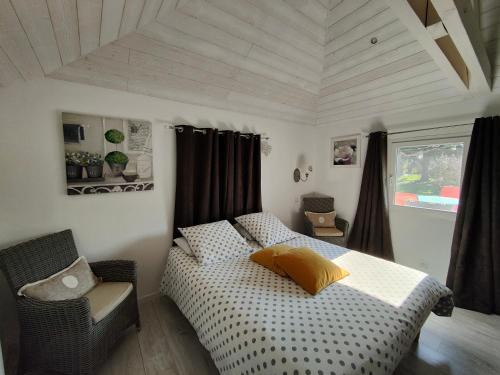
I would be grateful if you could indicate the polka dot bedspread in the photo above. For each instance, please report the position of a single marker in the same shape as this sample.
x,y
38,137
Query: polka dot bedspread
x,y
253,321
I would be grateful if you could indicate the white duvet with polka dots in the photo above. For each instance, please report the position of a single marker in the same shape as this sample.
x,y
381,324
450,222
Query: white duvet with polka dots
x,y
253,321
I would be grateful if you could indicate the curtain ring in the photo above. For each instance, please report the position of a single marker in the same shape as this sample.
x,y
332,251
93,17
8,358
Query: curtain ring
x,y
180,130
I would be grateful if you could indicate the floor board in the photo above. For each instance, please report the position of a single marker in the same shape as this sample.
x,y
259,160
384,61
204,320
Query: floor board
x,y
126,357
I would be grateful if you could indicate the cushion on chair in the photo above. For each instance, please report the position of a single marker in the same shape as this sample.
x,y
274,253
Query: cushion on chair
x,y
105,297
71,282
322,219
328,232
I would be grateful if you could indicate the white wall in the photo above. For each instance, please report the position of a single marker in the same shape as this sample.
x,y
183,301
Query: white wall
x,y
139,225
122,225
421,244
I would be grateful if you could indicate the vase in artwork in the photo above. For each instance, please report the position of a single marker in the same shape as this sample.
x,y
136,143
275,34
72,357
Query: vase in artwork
x,y
94,171
74,172
117,162
144,166
117,169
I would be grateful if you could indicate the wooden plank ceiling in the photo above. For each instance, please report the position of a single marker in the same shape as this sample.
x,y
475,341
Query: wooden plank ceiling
x,y
303,61
490,27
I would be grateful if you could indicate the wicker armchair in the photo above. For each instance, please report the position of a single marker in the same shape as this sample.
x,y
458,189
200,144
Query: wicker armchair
x,y
61,336
324,203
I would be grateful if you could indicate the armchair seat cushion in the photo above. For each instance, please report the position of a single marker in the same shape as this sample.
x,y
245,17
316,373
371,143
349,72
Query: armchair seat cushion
x,y
105,297
328,232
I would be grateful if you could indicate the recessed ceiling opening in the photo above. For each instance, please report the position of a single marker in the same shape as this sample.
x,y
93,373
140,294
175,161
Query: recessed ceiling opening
x,y
434,25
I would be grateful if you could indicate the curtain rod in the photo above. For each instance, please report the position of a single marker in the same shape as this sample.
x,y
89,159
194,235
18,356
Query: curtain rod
x,y
420,130
176,127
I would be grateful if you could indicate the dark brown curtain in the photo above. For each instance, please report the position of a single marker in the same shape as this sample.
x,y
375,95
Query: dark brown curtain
x,y
218,175
474,273
371,232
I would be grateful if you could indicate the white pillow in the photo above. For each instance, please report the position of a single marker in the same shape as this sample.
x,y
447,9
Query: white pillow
x,y
215,242
243,232
266,228
72,282
184,245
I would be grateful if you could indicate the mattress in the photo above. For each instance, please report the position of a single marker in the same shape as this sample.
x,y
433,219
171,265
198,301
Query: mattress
x,y
253,321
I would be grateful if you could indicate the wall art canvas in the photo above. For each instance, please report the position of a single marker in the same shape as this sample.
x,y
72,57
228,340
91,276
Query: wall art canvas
x,y
107,154
345,151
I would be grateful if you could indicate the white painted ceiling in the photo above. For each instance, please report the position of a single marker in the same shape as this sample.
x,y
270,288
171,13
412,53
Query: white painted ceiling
x,y
303,61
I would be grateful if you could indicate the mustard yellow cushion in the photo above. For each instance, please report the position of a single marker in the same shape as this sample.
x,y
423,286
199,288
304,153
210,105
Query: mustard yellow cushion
x,y
265,257
322,219
312,271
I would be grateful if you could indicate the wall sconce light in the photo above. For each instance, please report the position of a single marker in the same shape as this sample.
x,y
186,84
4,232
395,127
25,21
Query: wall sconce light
x,y
297,174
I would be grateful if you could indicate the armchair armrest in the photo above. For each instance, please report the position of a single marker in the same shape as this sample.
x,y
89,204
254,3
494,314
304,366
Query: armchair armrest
x,y
308,226
115,270
119,271
343,225
59,329
56,316
65,307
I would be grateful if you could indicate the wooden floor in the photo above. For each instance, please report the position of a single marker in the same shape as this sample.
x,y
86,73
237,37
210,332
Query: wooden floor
x,y
468,344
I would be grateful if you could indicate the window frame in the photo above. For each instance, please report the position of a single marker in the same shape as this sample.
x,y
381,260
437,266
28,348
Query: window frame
x,y
419,140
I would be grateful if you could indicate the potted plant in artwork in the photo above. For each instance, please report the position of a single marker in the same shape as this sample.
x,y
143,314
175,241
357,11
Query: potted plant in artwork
x,y
116,160
94,164
74,165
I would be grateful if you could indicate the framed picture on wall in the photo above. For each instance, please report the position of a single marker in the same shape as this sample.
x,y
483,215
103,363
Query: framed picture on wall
x,y
107,154
345,151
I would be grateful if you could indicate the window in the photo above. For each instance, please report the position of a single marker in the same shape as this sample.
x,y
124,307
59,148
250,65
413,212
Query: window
x,y
429,175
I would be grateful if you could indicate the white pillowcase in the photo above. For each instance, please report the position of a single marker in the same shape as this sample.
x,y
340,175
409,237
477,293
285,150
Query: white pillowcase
x,y
266,228
184,245
243,232
215,242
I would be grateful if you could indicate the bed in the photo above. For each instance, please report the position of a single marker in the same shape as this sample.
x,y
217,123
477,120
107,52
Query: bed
x,y
253,321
